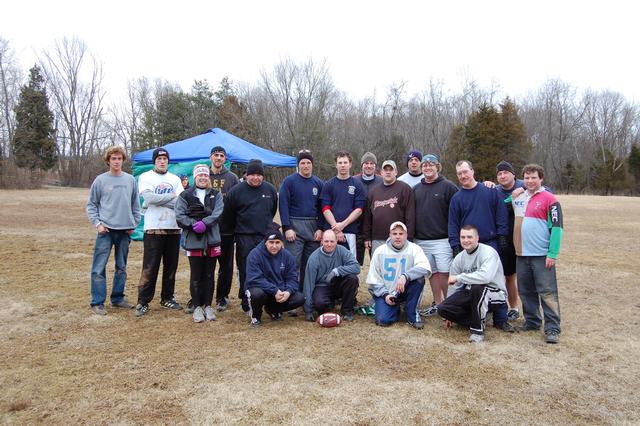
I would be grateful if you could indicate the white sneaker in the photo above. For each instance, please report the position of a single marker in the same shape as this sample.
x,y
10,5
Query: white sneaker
x,y
198,315
476,338
209,314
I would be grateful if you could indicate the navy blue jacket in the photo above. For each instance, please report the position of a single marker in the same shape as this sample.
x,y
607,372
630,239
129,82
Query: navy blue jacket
x,y
271,272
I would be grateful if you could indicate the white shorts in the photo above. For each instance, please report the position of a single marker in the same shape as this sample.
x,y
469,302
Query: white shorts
x,y
439,254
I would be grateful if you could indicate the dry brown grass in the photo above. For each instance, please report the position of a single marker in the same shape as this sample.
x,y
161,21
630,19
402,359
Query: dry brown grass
x,y
62,364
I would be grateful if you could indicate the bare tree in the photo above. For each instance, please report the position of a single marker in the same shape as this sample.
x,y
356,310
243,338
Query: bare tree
x,y
126,117
74,80
10,79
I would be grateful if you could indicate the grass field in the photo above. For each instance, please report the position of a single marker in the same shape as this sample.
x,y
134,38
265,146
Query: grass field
x,y
61,364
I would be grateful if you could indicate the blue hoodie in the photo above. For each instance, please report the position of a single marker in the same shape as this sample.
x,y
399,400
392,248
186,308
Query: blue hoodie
x,y
271,272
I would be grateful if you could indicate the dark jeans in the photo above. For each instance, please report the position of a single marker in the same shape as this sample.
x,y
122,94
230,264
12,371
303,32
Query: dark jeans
x,y
225,268
537,286
467,307
165,248
201,279
244,244
258,299
388,314
344,288
120,240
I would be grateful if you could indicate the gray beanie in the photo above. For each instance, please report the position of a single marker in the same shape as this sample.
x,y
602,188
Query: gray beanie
x,y
368,156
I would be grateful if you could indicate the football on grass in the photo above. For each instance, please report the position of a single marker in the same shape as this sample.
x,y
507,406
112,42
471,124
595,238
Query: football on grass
x,y
329,320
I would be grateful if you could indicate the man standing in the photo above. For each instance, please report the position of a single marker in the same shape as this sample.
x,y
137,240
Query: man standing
x,y
248,212
300,212
393,201
223,180
272,279
396,275
506,177
537,237
414,173
159,189
342,201
331,274
479,206
433,196
114,209
368,178
478,280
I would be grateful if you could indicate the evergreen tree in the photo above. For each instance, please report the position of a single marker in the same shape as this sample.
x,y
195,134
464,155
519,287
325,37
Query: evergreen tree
x,y
34,144
488,137
634,167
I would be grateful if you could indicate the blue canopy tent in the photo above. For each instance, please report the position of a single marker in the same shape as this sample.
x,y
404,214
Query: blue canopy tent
x,y
187,153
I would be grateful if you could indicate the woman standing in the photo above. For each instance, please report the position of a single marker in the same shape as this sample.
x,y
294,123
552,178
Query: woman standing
x,y
197,212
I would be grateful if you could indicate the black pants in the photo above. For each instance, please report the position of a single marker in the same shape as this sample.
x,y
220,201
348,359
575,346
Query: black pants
x,y
244,244
225,268
344,288
361,250
258,299
467,307
165,248
201,280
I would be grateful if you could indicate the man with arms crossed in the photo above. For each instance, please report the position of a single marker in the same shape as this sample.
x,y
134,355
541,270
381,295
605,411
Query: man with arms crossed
x,y
114,209
159,189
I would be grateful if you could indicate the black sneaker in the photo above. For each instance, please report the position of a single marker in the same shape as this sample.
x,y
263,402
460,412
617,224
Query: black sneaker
x,y
552,337
513,314
347,317
222,304
190,308
292,313
505,326
275,316
141,309
527,327
171,304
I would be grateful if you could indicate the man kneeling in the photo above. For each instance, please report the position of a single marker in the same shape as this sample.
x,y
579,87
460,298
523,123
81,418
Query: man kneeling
x,y
479,287
272,280
396,275
331,274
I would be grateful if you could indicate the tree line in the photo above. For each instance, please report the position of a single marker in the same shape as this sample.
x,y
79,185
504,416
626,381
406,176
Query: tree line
x,y
58,117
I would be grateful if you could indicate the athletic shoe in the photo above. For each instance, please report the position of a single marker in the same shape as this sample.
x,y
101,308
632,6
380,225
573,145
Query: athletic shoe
x,y
198,315
190,308
222,304
255,322
98,310
292,313
418,325
347,317
527,327
476,338
124,304
310,317
505,326
366,310
209,314
171,304
275,316
141,309
429,310
552,337
513,314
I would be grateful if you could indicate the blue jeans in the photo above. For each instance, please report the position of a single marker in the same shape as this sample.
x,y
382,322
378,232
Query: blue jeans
x,y
388,314
537,286
101,252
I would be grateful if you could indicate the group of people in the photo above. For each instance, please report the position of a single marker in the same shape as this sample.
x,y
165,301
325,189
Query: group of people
x,y
470,242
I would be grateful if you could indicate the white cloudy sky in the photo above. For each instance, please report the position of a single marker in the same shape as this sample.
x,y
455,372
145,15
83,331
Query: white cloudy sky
x,y
368,45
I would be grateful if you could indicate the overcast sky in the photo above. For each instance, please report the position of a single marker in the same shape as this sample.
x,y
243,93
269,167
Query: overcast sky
x,y
368,45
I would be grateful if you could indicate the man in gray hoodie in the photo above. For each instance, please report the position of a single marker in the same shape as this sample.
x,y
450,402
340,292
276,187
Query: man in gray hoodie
x,y
478,284
331,273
